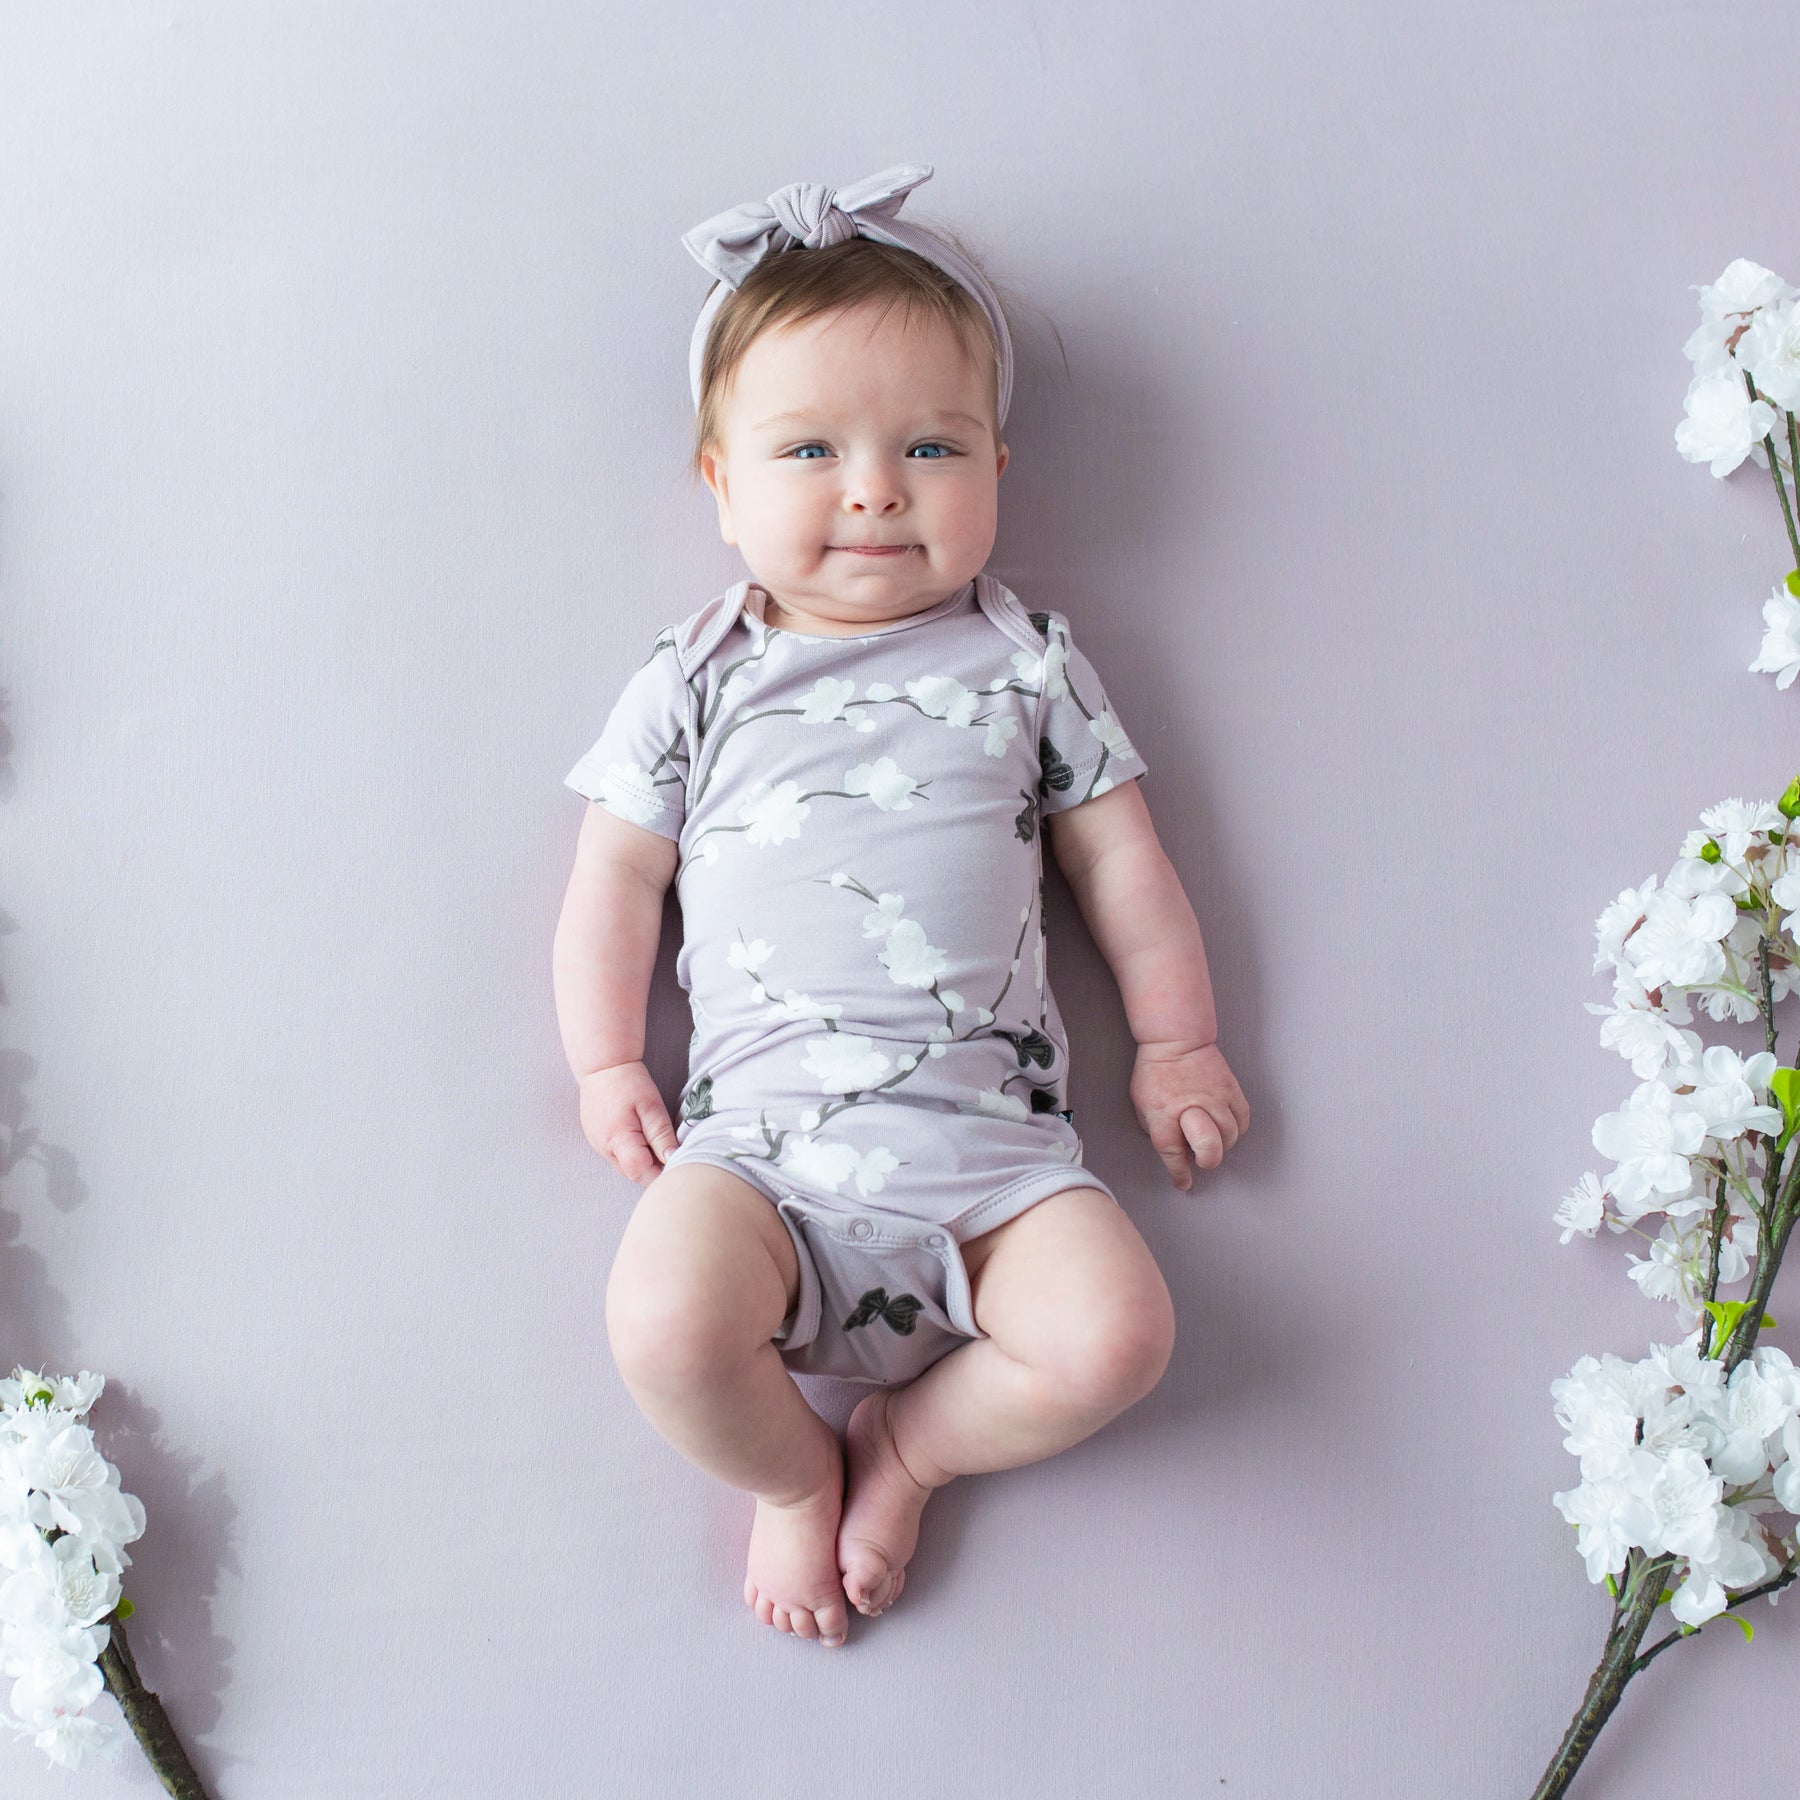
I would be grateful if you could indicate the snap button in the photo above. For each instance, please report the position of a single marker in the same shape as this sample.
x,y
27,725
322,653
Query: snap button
x,y
861,1228
937,1240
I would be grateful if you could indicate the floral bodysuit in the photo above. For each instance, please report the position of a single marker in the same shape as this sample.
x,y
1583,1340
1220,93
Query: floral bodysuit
x,y
876,1046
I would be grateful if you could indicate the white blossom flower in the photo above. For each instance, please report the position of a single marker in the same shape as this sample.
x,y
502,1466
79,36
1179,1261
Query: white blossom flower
x,y
944,697
909,959
774,814
750,957
1610,1519
1780,652
1785,891
1679,939
1650,1139
1725,1089
70,1738
884,782
1723,424
827,700
629,793
1743,287
1737,824
1582,1209
1770,350
1111,734
1000,732
1644,1034
1617,922
843,1062
887,914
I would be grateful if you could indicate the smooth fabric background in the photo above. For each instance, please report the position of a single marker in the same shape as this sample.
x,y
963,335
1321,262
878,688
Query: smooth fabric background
x,y
343,413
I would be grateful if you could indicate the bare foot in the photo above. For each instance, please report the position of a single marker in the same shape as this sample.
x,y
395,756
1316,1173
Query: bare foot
x,y
880,1526
792,1581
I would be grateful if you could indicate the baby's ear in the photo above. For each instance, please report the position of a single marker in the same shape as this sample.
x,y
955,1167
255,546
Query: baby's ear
x,y
712,471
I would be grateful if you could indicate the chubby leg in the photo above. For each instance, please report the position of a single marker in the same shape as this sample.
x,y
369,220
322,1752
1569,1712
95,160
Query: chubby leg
x,y
1080,1326
704,1275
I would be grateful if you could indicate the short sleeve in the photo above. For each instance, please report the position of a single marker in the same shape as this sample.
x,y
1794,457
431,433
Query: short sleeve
x,y
1082,748
638,769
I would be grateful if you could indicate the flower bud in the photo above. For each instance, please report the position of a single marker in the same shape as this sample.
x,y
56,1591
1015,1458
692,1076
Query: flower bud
x,y
1789,803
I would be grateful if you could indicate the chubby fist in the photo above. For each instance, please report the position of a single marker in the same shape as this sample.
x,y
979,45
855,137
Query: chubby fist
x,y
1189,1104
624,1118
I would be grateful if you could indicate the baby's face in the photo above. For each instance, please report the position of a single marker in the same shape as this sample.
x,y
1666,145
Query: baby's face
x,y
842,432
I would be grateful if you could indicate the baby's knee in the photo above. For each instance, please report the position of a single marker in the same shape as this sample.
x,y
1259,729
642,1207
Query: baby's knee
x,y
1115,1349
670,1327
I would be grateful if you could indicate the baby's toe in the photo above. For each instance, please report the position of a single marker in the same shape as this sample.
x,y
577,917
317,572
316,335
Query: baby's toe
x,y
805,1625
782,1620
765,1609
834,1624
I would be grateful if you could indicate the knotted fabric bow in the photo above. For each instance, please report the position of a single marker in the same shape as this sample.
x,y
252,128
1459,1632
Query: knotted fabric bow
x,y
809,215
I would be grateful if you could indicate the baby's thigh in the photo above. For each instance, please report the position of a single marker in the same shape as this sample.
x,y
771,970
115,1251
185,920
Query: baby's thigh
x,y
705,1271
1070,1287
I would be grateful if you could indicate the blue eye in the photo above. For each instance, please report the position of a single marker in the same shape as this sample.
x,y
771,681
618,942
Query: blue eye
x,y
801,449
944,448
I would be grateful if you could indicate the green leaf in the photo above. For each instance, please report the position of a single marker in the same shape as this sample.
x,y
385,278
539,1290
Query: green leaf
x,y
1665,1597
1748,1628
1689,1630
1793,583
1784,1084
123,1610
1612,1587
1725,1315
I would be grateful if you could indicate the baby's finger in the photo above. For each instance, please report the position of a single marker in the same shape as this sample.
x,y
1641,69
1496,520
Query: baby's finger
x,y
1175,1160
630,1155
657,1128
1202,1134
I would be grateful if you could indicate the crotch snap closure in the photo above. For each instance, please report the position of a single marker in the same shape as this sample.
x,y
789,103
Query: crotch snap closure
x,y
861,1228
937,1240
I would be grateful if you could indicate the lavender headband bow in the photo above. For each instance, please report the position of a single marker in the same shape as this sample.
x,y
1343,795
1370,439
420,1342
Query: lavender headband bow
x,y
810,215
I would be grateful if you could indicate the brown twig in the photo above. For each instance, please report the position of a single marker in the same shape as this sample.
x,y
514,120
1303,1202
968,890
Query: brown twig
x,y
149,1723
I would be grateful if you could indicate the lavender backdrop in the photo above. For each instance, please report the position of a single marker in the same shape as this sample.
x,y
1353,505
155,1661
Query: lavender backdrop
x,y
342,417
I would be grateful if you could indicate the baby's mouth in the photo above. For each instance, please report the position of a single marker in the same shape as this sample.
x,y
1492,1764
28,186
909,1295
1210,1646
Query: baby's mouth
x,y
875,549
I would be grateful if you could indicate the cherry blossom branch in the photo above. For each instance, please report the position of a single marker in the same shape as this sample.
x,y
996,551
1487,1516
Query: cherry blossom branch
x,y
1787,510
148,1721
1674,1637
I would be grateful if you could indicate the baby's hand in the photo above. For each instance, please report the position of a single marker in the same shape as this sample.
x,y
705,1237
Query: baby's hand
x,y
1188,1102
625,1120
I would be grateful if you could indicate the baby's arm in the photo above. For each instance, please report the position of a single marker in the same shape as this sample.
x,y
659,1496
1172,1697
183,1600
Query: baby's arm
x,y
604,956
1185,1096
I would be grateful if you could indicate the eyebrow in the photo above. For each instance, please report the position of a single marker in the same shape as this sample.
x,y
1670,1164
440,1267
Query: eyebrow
x,y
802,417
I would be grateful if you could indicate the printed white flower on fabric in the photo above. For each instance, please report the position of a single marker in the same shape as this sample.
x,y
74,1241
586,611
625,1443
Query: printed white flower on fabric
x,y
1000,1105
1000,732
953,1001
1723,424
844,1063
1737,824
827,700
629,793
944,697
884,782
1111,734
887,914
859,720
880,690
1650,1139
1743,287
1617,922
1037,958
1780,652
774,814
1770,350
750,957
825,1166
1582,1209
1054,668
802,1006
1679,939
909,959
873,1168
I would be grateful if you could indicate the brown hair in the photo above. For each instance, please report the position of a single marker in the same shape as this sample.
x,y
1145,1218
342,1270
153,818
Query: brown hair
x,y
795,285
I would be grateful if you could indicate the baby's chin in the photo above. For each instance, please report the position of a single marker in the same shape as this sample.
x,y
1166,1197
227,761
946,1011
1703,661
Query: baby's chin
x,y
852,604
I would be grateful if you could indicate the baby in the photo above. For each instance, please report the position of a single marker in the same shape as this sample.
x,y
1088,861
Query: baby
x,y
847,764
